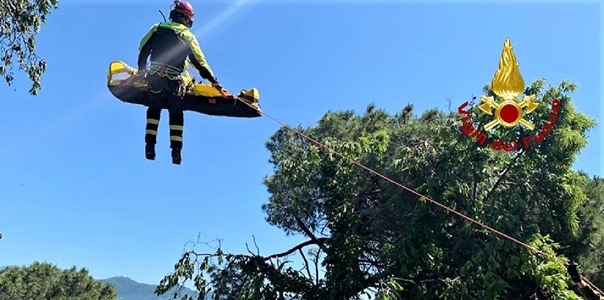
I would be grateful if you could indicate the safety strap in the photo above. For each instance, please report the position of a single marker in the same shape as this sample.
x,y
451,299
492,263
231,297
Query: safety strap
x,y
164,70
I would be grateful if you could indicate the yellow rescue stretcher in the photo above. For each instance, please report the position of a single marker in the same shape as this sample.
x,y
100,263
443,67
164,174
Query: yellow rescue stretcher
x,y
127,87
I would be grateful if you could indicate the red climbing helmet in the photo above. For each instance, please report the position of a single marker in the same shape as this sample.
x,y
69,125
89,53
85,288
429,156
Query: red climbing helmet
x,y
183,10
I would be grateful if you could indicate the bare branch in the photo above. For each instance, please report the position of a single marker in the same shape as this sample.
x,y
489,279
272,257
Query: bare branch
x,y
502,175
306,230
248,249
305,264
256,245
317,242
316,261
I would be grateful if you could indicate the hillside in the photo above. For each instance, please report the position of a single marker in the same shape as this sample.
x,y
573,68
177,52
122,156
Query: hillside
x,y
128,289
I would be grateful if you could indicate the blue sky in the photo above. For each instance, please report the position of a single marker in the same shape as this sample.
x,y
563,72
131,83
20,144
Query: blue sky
x,y
75,188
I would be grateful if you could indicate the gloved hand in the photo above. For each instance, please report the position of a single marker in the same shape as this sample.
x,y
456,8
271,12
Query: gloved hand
x,y
140,74
218,86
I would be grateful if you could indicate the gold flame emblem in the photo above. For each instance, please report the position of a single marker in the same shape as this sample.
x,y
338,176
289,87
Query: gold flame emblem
x,y
508,84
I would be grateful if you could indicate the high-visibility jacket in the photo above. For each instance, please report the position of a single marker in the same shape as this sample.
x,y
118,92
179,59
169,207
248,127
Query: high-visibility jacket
x,y
170,44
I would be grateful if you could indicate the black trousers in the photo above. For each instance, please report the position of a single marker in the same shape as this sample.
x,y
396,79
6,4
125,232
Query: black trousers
x,y
164,92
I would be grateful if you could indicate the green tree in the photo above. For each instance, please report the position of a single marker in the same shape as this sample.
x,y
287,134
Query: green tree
x,y
21,21
367,236
589,248
45,281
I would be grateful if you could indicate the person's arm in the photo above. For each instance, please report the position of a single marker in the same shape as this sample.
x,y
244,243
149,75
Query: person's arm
x,y
198,59
145,49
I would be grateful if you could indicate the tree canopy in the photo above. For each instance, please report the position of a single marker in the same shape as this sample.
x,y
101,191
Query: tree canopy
x,y
367,236
589,248
20,22
45,281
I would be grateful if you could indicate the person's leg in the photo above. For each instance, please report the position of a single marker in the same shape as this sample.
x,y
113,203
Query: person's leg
x,y
176,132
176,113
156,97
153,116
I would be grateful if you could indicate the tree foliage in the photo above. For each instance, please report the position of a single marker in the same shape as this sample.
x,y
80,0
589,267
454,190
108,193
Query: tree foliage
x,y
20,22
368,237
45,281
590,246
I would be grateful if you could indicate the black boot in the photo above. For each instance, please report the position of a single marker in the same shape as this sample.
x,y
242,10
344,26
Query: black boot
x,y
150,151
176,158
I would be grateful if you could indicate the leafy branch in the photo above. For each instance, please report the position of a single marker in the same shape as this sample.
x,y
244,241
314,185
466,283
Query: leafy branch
x,y
21,21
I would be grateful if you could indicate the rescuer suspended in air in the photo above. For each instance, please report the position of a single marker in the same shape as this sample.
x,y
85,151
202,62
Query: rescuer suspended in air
x,y
166,83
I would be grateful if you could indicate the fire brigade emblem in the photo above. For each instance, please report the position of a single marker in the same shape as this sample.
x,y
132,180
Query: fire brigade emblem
x,y
508,84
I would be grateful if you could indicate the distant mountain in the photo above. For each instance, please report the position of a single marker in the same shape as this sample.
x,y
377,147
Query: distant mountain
x,y
128,289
